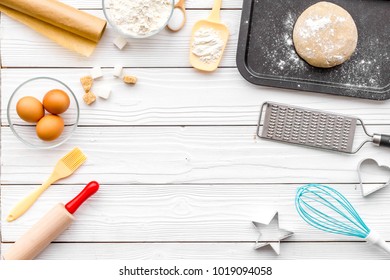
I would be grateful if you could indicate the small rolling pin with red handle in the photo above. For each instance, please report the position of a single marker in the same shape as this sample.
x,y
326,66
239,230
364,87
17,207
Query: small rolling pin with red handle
x,y
49,227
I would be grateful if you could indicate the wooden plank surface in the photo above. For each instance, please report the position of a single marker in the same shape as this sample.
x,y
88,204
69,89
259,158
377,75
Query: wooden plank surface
x,y
160,155
208,251
190,4
177,213
187,97
22,47
182,171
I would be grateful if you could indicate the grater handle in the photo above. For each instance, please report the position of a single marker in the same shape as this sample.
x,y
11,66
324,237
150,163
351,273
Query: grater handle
x,y
381,140
260,118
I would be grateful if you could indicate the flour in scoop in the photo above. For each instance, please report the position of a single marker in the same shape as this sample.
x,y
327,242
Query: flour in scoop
x,y
207,45
139,17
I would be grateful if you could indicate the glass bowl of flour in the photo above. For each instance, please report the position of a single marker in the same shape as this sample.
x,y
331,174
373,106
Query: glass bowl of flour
x,y
138,18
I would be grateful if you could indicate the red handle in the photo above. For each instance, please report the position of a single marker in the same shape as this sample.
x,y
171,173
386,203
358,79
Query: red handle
x,y
75,203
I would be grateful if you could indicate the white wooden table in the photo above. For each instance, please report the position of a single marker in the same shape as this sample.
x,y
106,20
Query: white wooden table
x,y
182,174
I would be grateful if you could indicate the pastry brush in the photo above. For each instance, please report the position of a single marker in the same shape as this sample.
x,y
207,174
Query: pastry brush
x,y
64,168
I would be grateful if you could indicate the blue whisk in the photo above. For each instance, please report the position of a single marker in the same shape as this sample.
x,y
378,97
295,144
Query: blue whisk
x,y
326,209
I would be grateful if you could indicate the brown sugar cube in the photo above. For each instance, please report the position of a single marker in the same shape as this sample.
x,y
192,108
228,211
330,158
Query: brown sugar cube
x,y
130,79
89,98
86,82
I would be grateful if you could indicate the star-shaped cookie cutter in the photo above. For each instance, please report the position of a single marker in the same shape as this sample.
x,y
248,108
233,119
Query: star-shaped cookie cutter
x,y
272,233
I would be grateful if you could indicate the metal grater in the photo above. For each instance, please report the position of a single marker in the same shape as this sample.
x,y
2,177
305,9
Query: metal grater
x,y
312,128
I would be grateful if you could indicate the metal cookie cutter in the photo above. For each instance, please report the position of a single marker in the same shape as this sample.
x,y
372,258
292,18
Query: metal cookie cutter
x,y
272,233
367,190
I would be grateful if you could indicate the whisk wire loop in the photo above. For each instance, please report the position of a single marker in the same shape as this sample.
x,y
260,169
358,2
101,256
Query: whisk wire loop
x,y
339,198
326,209
326,221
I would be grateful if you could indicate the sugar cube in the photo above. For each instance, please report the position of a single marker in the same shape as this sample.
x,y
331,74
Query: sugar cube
x,y
120,42
86,82
103,92
128,79
117,71
96,72
89,98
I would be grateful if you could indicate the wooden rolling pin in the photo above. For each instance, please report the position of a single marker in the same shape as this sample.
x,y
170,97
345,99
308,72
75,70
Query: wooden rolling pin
x,y
49,227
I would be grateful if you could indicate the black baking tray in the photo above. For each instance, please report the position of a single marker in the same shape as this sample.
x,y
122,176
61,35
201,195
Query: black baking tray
x,y
266,55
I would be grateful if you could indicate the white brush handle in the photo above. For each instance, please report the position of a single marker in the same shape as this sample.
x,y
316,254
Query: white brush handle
x,y
375,239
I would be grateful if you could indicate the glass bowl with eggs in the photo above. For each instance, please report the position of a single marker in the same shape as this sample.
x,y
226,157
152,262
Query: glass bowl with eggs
x,y
138,18
43,112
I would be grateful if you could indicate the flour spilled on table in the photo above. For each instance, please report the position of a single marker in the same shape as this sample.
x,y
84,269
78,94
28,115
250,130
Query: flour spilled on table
x,y
285,52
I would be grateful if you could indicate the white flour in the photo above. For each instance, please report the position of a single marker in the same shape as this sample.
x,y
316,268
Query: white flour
x,y
312,25
207,45
139,17
312,30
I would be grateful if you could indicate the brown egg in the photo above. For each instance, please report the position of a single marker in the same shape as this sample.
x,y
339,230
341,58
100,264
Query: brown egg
x,y
56,101
50,127
30,109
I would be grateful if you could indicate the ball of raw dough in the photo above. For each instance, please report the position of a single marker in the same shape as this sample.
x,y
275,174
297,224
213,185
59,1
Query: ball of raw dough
x,y
325,35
